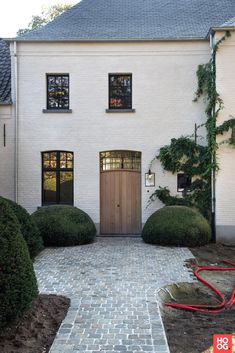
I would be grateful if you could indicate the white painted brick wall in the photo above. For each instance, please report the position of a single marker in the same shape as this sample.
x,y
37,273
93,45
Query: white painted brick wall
x,y
164,82
225,183
6,152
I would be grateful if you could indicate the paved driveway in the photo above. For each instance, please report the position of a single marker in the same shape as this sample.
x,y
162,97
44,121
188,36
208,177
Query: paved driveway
x,y
113,286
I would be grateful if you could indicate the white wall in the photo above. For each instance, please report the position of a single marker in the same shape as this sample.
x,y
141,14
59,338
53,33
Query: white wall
x,y
225,181
6,152
164,82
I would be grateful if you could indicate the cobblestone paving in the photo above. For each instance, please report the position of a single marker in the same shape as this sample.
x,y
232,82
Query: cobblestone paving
x,y
113,286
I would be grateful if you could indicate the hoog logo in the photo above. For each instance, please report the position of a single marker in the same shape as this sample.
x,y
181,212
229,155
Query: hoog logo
x,y
222,343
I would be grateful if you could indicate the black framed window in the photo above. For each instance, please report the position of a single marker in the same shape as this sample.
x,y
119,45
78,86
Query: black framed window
x,y
57,177
120,91
183,181
57,91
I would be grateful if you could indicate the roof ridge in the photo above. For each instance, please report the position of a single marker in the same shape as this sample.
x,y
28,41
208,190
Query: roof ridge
x,y
135,19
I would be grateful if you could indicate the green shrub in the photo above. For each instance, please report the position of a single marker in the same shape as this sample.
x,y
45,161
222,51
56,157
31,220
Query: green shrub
x,y
28,228
177,226
64,226
18,285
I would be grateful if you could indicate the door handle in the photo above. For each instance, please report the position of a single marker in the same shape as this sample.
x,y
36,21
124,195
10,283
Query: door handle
x,y
118,205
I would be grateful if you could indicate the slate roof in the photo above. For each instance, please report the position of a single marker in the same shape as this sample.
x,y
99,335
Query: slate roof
x,y
136,19
229,23
5,73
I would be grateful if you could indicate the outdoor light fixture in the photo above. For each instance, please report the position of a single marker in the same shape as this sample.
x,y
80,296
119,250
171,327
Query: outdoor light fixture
x,y
149,178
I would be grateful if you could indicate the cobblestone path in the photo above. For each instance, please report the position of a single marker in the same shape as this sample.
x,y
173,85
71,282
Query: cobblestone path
x,y
113,286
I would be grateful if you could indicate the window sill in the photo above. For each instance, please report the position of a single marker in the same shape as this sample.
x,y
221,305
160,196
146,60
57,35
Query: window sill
x,y
54,204
120,110
57,111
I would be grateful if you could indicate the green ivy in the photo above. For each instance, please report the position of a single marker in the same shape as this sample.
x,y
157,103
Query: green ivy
x,y
206,75
163,194
226,126
185,155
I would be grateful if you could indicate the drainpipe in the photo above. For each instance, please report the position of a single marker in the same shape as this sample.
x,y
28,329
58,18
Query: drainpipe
x,y
15,85
213,173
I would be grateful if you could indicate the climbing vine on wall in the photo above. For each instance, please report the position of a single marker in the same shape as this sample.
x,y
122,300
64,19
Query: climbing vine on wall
x,y
226,126
206,75
185,155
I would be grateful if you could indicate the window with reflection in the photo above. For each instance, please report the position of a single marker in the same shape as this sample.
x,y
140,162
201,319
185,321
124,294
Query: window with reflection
x,y
120,91
57,91
57,177
112,160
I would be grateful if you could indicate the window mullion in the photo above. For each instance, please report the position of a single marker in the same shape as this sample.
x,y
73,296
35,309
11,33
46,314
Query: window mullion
x,y
58,177
120,91
57,91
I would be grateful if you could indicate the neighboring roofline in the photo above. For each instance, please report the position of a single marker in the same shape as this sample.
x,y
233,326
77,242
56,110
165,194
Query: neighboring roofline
x,y
100,40
212,30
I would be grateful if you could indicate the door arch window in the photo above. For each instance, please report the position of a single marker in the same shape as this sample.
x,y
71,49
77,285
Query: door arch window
x,y
113,160
57,177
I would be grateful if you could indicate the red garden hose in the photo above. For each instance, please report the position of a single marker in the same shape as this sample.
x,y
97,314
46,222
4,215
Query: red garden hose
x,y
209,308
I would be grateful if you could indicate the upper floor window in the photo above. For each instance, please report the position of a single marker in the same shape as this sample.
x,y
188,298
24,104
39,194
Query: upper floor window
x,y
120,91
57,177
57,91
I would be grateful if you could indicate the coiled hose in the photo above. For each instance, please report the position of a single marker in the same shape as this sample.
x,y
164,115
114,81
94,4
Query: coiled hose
x,y
210,309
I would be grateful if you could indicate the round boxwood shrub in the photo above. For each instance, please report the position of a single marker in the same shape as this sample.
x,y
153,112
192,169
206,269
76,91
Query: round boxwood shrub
x,y
177,226
18,285
62,225
28,228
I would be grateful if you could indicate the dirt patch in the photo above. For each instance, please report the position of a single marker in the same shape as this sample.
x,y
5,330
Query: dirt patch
x,y
213,254
196,329
35,332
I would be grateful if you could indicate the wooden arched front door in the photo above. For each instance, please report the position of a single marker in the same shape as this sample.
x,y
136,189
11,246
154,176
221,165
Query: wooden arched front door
x,y
120,192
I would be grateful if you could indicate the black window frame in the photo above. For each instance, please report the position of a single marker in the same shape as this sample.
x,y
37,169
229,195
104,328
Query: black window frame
x,y
47,91
57,170
131,100
187,184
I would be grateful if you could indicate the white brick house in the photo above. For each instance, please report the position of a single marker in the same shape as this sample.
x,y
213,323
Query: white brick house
x,y
6,125
116,77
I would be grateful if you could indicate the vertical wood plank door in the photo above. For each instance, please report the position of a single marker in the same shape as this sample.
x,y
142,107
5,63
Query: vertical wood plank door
x,y
120,192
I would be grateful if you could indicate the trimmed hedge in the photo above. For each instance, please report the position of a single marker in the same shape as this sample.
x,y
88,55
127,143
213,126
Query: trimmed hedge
x,y
177,226
62,225
28,228
18,285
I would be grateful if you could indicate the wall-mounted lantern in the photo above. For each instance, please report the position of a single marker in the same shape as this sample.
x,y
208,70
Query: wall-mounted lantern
x,y
149,179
